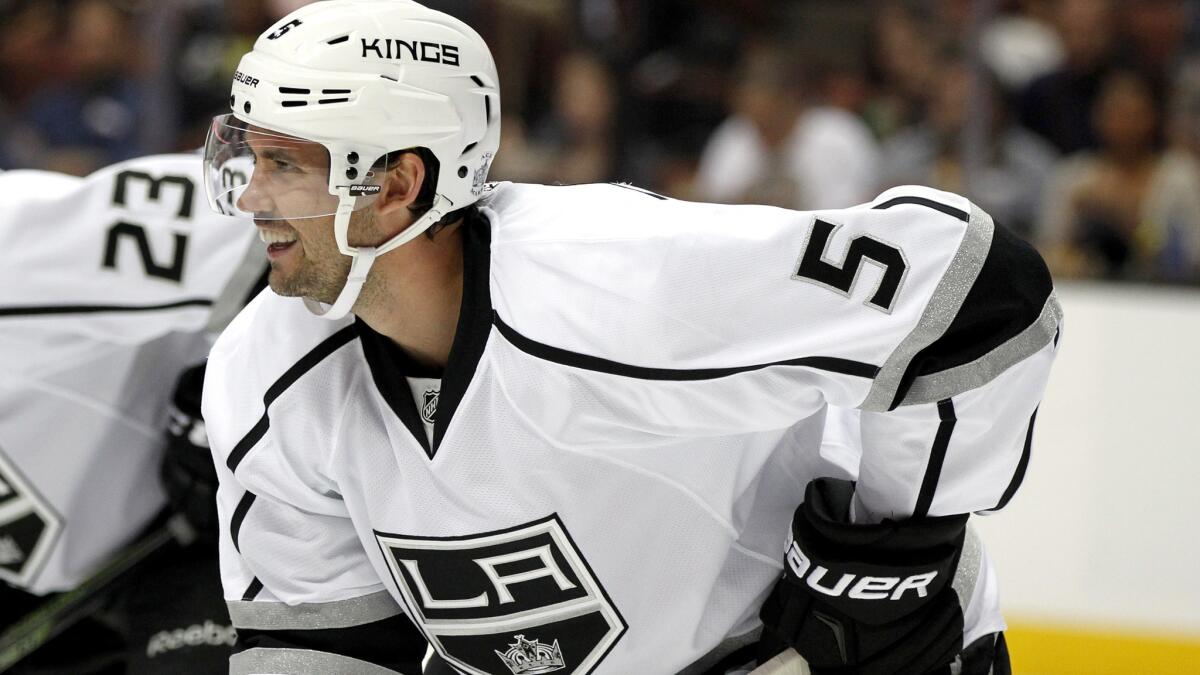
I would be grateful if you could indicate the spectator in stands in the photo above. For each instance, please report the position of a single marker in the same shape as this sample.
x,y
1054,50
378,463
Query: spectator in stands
x,y
1021,45
27,30
1125,210
1005,176
1152,35
92,118
902,58
1058,105
1175,204
210,39
575,142
783,147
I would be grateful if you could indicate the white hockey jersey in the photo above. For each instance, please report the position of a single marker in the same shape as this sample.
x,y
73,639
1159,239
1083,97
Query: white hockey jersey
x,y
106,287
634,402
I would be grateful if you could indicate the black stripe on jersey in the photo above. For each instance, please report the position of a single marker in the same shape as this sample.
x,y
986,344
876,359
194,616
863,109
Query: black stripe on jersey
x,y
639,190
937,457
921,201
305,364
474,321
42,310
239,515
252,590
473,535
595,363
1007,297
391,643
1022,465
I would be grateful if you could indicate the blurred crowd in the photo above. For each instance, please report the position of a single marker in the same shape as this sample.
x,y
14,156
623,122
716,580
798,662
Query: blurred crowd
x,y
1076,123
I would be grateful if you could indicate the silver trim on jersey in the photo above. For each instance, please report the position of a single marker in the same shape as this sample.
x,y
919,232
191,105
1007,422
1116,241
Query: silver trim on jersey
x,y
943,306
969,563
278,660
260,615
935,387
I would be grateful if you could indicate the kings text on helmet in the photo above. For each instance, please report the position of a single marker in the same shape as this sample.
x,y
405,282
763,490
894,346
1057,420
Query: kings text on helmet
x,y
411,50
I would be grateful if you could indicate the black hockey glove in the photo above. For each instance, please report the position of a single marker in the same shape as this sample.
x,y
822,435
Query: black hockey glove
x,y
867,599
187,469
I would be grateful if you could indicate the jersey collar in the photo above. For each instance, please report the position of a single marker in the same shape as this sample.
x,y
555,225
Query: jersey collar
x,y
390,366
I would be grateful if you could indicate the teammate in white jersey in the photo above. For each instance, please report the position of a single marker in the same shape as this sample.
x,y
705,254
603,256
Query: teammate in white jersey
x,y
108,285
631,394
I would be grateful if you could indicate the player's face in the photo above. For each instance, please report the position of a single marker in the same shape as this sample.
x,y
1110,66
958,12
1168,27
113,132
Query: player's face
x,y
291,176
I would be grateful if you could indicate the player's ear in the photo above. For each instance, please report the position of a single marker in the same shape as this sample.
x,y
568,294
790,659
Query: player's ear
x,y
401,184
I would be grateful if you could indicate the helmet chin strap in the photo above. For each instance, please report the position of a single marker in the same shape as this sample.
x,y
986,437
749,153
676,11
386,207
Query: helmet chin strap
x,y
363,257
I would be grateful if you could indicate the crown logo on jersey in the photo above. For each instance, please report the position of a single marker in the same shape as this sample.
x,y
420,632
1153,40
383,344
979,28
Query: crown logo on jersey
x,y
531,657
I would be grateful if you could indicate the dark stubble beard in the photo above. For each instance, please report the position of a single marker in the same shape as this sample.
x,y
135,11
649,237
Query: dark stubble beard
x,y
321,281
323,268
320,275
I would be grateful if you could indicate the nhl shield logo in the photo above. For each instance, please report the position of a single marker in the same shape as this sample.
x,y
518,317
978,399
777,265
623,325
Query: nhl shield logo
x,y
429,401
28,527
520,601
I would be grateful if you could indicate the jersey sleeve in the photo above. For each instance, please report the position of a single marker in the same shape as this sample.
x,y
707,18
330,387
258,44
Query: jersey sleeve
x,y
301,591
964,453
106,288
699,319
948,426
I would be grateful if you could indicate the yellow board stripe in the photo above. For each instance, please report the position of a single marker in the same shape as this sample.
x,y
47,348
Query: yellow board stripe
x,y
1046,649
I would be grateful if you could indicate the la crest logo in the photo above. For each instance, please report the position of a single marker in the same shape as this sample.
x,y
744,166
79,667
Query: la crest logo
x,y
477,598
29,527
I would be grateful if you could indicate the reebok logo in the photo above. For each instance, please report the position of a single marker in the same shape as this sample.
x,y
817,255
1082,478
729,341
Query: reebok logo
x,y
210,634
859,588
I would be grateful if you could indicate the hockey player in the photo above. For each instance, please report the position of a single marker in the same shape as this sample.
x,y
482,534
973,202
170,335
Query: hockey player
x,y
109,285
567,428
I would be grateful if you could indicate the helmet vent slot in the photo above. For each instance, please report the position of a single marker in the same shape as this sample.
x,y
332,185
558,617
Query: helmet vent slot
x,y
292,90
338,40
294,104
478,82
335,91
389,78
487,109
325,101
470,147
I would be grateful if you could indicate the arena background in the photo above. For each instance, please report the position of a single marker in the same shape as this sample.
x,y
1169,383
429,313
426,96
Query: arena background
x,y
1076,123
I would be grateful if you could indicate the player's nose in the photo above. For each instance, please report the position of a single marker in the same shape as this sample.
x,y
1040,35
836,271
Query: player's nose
x,y
255,198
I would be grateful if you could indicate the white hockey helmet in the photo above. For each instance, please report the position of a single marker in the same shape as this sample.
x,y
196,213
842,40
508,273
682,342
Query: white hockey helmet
x,y
330,94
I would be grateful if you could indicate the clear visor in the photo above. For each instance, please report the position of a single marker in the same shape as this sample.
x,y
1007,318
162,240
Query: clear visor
x,y
258,173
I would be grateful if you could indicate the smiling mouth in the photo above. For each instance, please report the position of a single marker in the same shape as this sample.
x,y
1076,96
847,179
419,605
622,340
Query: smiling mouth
x,y
277,240
272,236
